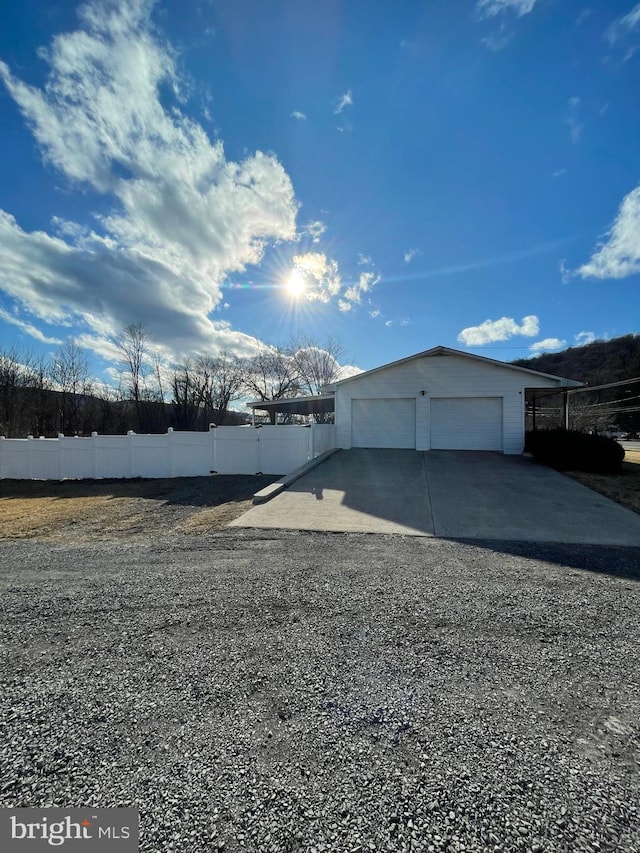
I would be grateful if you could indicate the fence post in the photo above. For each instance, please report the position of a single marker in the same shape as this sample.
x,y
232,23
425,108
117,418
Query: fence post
x,y
130,434
60,465
213,450
29,455
94,455
170,450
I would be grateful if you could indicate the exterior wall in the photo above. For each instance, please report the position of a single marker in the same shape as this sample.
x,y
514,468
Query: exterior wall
x,y
442,376
225,450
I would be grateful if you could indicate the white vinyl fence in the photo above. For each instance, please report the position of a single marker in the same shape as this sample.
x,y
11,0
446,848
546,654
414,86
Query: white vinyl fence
x,y
222,450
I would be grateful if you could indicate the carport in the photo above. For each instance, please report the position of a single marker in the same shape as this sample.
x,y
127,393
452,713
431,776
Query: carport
x,y
319,404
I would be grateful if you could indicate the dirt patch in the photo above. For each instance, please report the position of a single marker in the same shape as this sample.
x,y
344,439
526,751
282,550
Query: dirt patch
x,y
623,488
90,510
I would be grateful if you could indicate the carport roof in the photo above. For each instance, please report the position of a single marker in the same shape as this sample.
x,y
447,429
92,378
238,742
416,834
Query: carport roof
x,y
320,404
440,350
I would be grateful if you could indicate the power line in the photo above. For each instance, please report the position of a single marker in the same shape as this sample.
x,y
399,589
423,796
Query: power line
x,y
601,387
611,402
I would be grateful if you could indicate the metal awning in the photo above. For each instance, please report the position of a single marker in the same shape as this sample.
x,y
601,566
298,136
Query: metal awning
x,y
321,404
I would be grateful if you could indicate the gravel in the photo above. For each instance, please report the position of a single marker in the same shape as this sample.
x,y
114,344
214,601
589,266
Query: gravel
x,y
254,691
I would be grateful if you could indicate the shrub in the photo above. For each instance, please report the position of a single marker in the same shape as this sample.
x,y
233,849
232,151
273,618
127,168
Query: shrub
x,y
572,450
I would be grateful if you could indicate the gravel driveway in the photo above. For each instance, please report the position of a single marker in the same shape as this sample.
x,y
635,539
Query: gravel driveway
x,y
319,692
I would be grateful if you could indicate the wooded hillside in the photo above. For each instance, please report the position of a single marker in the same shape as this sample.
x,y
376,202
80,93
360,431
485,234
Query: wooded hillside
x,y
599,363
596,363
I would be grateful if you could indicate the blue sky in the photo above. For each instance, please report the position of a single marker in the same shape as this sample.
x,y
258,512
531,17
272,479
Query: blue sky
x,y
395,175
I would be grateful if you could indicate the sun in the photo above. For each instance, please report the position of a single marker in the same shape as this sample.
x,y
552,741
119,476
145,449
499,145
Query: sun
x,y
294,284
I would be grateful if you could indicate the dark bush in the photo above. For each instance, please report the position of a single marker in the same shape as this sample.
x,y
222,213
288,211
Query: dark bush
x,y
572,450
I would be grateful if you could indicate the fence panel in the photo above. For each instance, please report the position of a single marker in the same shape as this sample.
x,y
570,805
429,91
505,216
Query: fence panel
x,y
225,450
192,454
77,458
14,458
283,448
323,438
149,455
44,459
112,456
236,450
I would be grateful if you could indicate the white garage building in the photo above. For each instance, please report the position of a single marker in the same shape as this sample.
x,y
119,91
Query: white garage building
x,y
440,399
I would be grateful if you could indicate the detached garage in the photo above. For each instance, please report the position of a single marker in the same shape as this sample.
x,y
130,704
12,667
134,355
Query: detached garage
x,y
441,399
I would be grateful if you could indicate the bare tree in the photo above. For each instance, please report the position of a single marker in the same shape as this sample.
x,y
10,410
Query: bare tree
x,y
23,383
272,374
142,380
43,411
71,377
317,364
133,344
204,387
186,398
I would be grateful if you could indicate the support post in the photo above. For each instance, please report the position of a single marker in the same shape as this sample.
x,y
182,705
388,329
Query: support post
x,y
534,415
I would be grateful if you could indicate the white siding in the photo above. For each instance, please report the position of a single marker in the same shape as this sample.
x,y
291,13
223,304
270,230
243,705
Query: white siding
x,y
441,376
383,423
466,423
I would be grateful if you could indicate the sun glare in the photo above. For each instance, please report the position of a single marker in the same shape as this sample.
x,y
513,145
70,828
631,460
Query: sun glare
x,y
295,284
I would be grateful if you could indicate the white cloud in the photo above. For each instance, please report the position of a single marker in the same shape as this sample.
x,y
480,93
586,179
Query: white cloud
x,y
183,216
344,306
345,100
558,173
583,338
575,127
498,41
314,229
491,8
320,275
389,323
411,254
364,260
622,27
547,345
28,328
584,14
375,313
619,256
366,281
565,273
297,114
348,370
499,330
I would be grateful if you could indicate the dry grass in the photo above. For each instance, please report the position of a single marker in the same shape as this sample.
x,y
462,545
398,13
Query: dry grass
x,y
624,488
90,510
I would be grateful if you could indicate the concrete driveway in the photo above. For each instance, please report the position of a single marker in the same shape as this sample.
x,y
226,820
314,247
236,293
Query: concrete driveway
x,y
448,494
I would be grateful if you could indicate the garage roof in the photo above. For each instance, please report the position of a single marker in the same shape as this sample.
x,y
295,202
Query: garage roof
x,y
444,351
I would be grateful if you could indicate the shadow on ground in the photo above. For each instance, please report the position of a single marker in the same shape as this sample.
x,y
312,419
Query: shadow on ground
x,y
189,491
616,561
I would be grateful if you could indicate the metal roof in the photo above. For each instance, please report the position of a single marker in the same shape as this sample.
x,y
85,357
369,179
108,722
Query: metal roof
x,y
319,404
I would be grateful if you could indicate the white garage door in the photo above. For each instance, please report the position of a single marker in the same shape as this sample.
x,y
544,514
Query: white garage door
x,y
383,423
466,423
